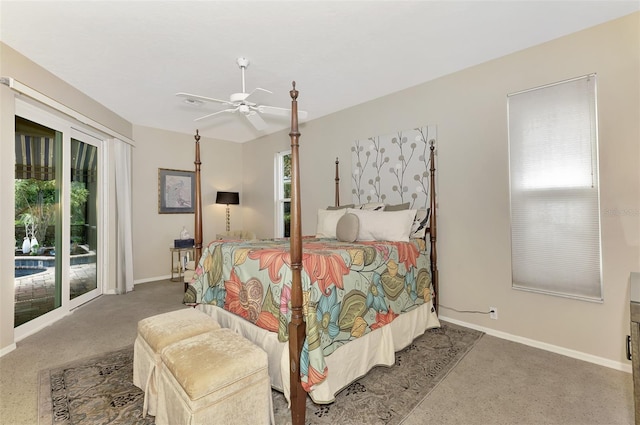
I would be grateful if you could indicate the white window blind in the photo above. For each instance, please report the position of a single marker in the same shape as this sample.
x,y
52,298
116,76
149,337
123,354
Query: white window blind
x,y
553,164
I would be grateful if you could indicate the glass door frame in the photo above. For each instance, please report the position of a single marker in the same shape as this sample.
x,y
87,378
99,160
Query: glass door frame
x,y
85,137
69,128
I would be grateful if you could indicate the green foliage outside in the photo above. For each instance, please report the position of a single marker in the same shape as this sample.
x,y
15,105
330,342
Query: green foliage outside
x,y
286,163
36,206
287,166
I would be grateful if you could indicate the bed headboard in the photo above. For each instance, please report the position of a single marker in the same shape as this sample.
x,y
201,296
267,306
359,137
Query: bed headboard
x,y
431,231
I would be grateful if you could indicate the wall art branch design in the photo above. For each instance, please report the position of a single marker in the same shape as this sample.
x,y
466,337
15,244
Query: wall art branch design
x,y
393,169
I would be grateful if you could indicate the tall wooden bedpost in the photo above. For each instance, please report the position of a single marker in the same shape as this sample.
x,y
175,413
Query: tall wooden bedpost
x,y
433,236
296,326
198,207
337,200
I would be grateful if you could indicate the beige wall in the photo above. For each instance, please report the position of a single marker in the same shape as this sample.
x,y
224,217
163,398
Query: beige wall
x,y
16,66
154,233
469,109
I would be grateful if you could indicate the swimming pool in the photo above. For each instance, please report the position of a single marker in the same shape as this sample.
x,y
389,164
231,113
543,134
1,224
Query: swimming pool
x,y
26,265
27,271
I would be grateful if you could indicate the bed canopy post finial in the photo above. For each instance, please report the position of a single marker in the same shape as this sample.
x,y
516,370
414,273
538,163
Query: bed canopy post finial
x,y
337,200
433,234
296,325
198,206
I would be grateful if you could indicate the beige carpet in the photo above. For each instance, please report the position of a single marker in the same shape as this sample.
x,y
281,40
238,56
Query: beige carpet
x,y
497,382
99,389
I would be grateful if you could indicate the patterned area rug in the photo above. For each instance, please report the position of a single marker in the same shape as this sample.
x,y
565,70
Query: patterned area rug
x,y
95,390
99,390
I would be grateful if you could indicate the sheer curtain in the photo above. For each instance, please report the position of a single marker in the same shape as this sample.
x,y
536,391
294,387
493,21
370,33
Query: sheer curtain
x,y
124,242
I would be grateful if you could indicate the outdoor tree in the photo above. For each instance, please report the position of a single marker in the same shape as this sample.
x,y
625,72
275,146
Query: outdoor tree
x,y
36,205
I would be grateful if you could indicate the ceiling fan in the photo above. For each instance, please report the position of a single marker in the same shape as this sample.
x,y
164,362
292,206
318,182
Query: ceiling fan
x,y
239,102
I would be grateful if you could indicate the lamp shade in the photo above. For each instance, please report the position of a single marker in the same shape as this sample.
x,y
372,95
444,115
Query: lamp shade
x,y
228,198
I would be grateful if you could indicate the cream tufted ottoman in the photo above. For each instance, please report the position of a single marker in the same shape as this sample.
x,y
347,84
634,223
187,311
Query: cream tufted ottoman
x,y
217,377
154,334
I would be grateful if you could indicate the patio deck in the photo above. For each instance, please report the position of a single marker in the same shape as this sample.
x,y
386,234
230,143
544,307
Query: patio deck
x,y
35,294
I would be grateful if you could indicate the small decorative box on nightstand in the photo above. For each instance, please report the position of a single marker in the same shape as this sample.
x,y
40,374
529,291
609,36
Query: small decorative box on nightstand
x,y
183,243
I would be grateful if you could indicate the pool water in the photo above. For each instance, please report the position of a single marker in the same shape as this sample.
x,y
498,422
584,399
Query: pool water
x,y
26,271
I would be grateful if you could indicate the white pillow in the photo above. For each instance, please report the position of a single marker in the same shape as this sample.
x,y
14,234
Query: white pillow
x,y
327,222
384,225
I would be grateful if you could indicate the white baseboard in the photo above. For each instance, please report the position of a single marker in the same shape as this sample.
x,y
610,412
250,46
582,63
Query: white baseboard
x,y
7,349
136,282
624,367
152,279
36,325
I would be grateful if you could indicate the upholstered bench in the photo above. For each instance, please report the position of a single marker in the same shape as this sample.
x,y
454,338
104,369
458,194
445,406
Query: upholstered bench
x,y
217,377
156,333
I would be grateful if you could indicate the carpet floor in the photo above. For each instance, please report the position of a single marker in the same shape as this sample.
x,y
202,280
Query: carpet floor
x,y
99,389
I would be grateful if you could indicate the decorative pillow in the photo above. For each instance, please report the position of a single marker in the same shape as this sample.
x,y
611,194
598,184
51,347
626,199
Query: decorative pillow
x,y
384,225
375,206
347,228
399,207
340,207
327,222
419,228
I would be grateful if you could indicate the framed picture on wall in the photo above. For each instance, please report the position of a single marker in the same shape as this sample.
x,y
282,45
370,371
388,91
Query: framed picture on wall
x,y
176,191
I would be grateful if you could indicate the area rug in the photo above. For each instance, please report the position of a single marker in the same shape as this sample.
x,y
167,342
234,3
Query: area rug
x,y
99,390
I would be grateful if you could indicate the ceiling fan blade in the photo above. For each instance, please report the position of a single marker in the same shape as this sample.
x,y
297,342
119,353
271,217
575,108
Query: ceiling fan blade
x,y
203,98
216,113
257,121
258,89
273,110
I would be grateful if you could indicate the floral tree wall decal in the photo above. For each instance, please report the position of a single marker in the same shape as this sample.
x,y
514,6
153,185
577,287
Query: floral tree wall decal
x,y
422,178
393,169
360,161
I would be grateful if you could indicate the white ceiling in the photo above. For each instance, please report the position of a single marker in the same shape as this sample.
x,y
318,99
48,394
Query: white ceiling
x,y
133,56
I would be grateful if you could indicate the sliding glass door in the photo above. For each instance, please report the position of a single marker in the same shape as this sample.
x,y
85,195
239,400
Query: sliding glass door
x,y
83,230
37,224
58,217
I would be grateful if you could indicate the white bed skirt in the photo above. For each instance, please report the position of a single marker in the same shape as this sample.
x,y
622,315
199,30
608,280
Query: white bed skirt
x,y
345,364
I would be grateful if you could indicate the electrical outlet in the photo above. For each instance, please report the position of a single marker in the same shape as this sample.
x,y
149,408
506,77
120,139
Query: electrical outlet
x,y
493,313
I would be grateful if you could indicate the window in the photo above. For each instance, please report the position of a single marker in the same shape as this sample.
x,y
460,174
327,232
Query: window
x,y
553,164
283,194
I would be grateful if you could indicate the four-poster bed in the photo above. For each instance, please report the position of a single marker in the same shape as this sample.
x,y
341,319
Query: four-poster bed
x,y
325,310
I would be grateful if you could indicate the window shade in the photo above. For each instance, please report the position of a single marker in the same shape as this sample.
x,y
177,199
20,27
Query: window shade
x,y
555,220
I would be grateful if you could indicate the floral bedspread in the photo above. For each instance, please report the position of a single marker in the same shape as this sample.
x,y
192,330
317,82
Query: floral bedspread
x,y
349,289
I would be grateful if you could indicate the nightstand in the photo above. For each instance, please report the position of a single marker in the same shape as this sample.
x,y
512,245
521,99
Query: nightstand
x,y
179,258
